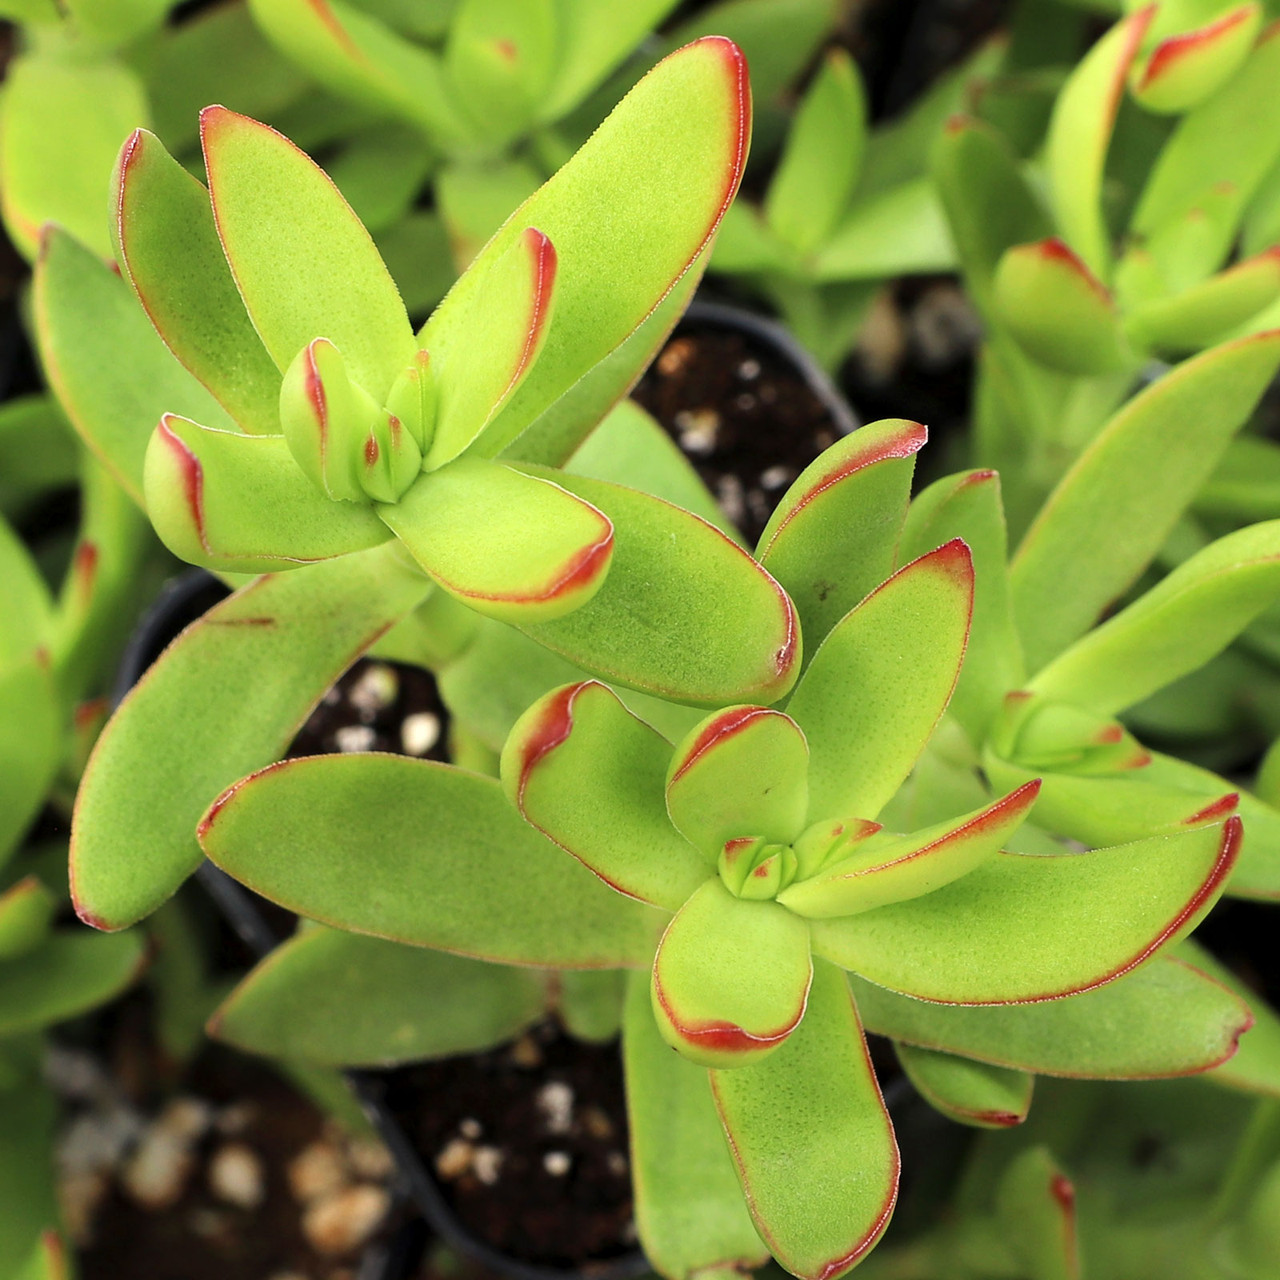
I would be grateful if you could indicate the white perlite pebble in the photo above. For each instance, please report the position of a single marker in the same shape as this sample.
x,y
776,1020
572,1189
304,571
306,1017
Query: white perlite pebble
x,y
774,477
557,1163
342,1222
419,733
699,429
370,1159
455,1159
354,737
486,1164
236,1176
555,1101
470,1128
316,1171
158,1170
376,688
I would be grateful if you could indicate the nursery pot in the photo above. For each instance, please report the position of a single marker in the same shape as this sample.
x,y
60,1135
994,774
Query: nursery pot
x,y
183,600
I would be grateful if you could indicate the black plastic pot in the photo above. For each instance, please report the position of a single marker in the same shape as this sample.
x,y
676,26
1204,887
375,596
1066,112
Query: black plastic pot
x,y
705,313
183,600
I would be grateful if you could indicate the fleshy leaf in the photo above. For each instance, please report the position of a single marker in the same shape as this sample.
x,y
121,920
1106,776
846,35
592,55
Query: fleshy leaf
x,y
360,58
1210,311
815,176
1112,511
239,503
689,1208
110,370
1058,310
590,775
731,978
31,744
812,1140
168,247
989,204
666,163
421,853
1185,68
878,684
1172,630
1026,928
968,506
304,265
831,539
71,972
897,870
493,344
26,911
1036,1209
740,772
670,632
1164,1019
1080,136
969,1092
1216,157
519,548
350,1000
62,123
187,730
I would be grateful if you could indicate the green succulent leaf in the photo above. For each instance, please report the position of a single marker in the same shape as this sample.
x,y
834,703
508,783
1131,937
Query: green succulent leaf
x,y
29,1119
820,163
666,163
1166,1018
167,244
968,505
1185,67
1210,311
516,547
1027,928
1035,1207
989,204
1175,628
31,744
69,973
1058,310
901,231
304,265
689,1207
350,1000
880,681
26,912
969,1092
188,729
832,538
1246,485
401,848
361,58
898,869
1255,1066
588,1003
481,358
1213,162
731,978
668,633
1113,510
48,1261
28,616
812,1140
499,59
63,118
108,367
589,774
239,503
1080,136
741,772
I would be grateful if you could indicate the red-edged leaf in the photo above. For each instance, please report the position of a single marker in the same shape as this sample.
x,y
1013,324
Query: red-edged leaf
x,y
731,977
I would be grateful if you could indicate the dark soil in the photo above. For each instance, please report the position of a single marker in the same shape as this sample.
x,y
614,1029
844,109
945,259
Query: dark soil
x,y
741,414
231,1172
529,1145
1243,936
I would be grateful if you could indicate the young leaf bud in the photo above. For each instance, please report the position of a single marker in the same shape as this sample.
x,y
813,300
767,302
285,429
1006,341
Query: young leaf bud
x,y
413,398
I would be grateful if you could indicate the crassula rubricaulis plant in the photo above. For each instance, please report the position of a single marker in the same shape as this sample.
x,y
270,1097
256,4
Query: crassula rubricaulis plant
x,y
315,427
745,877
1083,288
